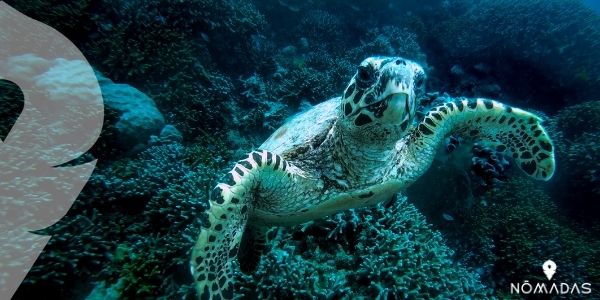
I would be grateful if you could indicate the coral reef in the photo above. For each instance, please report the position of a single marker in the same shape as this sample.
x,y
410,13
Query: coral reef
x,y
152,40
139,205
381,252
320,25
168,185
224,74
71,18
506,232
138,117
80,248
515,227
391,41
169,50
520,228
489,165
562,60
576,131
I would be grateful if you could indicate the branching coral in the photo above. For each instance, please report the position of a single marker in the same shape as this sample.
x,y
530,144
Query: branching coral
x,y
517,231
117,231
198,107
376,252
80,248
172,183
171,49
308,84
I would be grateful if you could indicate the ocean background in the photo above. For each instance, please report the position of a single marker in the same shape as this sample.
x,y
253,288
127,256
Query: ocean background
x,y
192,86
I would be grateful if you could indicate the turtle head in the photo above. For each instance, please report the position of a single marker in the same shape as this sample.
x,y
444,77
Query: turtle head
x,y
383,92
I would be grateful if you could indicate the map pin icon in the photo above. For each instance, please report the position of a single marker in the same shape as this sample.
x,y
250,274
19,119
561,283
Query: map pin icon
x,y
549,268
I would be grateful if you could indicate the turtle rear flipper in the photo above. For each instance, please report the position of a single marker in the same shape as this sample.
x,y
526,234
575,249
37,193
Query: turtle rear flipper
x,y
515,130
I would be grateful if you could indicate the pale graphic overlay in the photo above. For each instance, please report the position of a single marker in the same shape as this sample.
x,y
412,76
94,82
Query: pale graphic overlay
x,y
61,119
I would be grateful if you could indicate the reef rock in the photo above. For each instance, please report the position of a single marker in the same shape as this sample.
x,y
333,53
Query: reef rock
x,y
138,116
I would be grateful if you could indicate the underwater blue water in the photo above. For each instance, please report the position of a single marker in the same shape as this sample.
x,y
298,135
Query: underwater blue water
x,y
593,4
191,88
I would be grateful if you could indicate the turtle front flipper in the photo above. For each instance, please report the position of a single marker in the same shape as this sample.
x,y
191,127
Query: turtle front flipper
x,y
515,130
226,235
218,242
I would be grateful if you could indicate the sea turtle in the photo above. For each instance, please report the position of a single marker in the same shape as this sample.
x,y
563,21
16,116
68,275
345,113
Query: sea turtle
x,y
348,152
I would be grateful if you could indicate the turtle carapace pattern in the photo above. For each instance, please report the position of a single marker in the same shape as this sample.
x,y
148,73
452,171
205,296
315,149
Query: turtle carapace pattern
x,y
348,152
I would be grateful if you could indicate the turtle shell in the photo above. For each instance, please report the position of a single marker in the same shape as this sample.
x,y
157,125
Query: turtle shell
x,y
303,131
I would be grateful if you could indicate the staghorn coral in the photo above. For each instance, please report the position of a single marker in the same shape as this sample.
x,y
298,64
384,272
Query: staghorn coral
x,y
388,252
320,76
179,54
264,112
137,41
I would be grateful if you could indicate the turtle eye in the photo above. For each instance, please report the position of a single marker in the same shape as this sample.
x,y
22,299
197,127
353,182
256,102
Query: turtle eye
x,y
419,82
364,73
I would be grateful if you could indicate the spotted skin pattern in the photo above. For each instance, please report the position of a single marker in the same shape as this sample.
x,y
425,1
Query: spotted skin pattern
x,y
349,152
219,241
377,78
517,132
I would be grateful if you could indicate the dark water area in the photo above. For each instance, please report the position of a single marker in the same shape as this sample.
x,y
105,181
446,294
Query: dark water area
x,y
190,88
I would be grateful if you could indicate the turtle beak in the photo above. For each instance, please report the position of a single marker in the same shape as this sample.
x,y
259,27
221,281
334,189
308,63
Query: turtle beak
x,y
400,101
398,109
